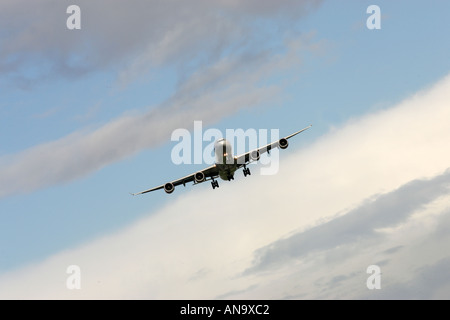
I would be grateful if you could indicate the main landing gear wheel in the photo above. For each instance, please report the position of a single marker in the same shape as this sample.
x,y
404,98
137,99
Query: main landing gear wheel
x,y
214,184
230,178
246,171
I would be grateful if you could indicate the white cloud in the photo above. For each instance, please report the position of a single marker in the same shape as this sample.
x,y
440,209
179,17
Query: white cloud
x,y
200,245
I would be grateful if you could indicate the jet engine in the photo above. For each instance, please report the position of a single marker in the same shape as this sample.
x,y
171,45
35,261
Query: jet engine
x,y
254,155
199,177
169,187
283,143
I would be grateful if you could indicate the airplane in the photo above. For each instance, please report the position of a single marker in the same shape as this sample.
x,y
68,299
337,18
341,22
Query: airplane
x,y
225,165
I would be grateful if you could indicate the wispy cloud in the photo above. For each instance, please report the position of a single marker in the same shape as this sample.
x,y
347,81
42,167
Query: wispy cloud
x,y
216,46
132,37
373,191
233,83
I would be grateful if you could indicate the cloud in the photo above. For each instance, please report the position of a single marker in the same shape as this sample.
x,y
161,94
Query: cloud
x,y
361,223
380,180
430,282
411,256
211,93
131,37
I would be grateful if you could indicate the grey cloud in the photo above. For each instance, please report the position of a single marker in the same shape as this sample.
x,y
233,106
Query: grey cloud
x,y
213,90
443,227
382,263
79,154
200,274
393,250
236,292
356,226
294,297
131,36
428,282
336,281
232,83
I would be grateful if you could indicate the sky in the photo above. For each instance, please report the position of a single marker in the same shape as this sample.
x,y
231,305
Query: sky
x,y
86,117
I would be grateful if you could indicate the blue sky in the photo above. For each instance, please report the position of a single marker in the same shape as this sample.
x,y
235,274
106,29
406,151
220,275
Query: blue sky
x,y
86,115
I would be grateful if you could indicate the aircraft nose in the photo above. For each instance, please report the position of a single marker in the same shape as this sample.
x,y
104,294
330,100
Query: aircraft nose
x,y
219,143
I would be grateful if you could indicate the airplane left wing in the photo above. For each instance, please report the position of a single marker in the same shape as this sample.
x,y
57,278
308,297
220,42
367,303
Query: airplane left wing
x,y
197,177
255,154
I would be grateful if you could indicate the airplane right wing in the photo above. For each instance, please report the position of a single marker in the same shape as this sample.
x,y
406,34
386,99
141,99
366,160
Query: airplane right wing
x,y
253,155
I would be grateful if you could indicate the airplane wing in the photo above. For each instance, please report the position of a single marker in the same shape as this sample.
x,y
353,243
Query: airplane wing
x,y
255,154
203,175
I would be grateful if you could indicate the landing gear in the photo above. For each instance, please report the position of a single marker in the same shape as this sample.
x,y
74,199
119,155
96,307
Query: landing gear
x,y
246,171
230,177
214,184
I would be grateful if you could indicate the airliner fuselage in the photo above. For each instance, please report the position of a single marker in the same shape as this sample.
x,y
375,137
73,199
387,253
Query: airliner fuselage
x,y
225,161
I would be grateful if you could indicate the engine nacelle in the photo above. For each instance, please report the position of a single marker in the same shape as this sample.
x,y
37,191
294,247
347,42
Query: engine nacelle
x,y
169,187
254,155
199,177
283,143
